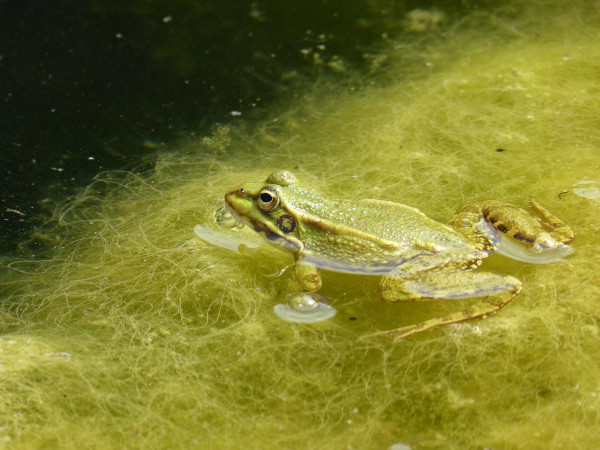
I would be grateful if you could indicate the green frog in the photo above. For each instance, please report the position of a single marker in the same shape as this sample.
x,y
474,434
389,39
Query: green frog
x,y
419,258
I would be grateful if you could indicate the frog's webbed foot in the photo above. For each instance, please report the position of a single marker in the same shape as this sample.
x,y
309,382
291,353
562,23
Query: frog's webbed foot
x,y
559,231
535,237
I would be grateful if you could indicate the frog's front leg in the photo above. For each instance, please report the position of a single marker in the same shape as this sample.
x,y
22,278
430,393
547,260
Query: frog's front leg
x,y
308,276
303,304
305,278
449,281
536,236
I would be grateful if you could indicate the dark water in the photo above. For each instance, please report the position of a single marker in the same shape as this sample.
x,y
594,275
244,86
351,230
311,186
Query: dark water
x,y
97,85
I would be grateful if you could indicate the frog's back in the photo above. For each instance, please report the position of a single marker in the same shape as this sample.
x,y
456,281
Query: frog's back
x,y
394,221
373,235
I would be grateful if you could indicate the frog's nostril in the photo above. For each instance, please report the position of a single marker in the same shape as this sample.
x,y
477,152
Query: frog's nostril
x,y
241,191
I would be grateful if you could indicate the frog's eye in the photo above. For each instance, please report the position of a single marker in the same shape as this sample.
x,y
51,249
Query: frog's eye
x,y
267,199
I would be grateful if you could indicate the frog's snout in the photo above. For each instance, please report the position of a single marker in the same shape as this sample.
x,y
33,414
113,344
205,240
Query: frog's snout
x,y
233,196
236,192
240,202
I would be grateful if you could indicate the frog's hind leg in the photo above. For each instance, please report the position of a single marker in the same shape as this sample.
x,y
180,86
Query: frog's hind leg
x,y
559,231
535,237
445,283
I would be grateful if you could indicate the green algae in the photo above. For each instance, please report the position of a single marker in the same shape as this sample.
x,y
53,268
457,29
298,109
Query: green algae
x,y
131,332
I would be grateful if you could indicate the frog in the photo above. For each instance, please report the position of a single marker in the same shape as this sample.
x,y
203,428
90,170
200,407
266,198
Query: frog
x,y
418,258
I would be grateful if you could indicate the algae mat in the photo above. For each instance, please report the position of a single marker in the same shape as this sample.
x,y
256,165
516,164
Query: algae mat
x,y
128,331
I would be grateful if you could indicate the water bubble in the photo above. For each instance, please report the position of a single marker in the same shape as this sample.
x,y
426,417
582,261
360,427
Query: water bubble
x,y
586,189
305,307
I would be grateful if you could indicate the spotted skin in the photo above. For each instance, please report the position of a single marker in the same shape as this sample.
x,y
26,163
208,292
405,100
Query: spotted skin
x,y
420,259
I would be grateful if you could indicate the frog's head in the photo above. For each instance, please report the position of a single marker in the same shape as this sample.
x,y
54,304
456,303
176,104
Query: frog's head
x,y
264,207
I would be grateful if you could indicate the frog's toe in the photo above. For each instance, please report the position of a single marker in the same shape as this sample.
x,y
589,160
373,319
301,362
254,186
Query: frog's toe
x,y
537,254
398,333
403,332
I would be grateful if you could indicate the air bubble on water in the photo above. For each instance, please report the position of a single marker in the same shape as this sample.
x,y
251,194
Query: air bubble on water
x,y
586,189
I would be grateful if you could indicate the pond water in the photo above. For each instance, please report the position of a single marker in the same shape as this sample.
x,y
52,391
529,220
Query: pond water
x,y
121,328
